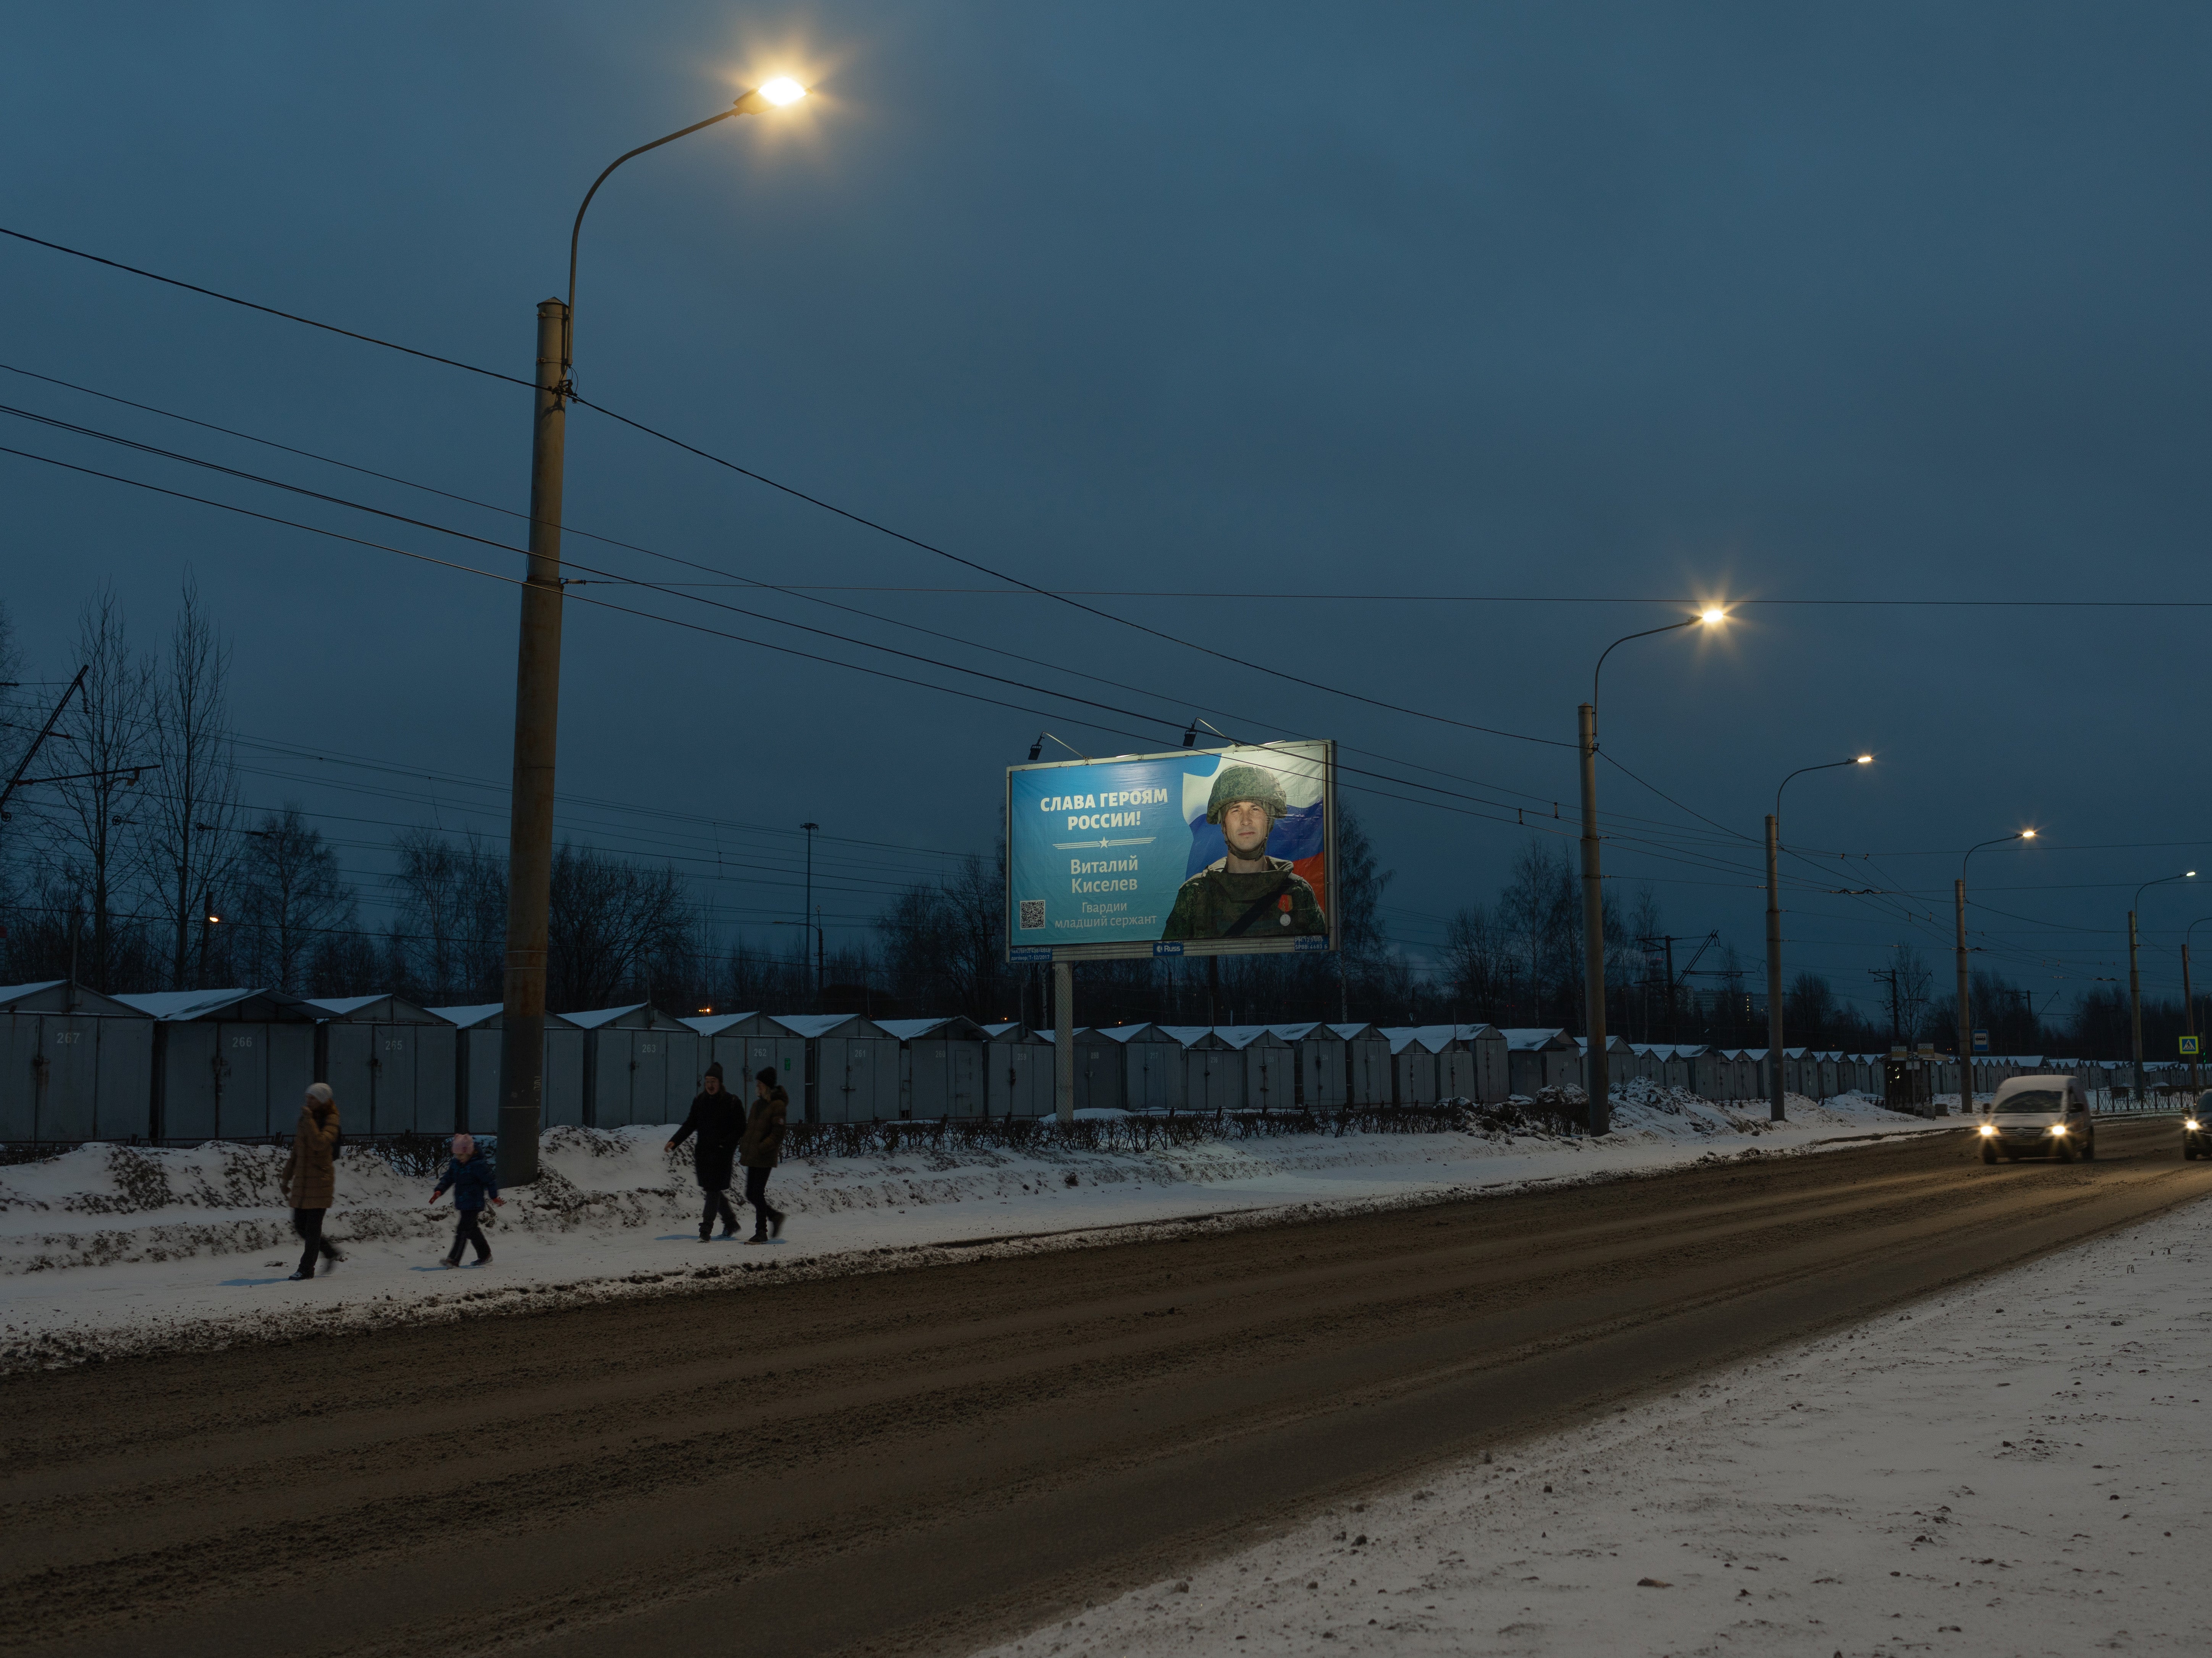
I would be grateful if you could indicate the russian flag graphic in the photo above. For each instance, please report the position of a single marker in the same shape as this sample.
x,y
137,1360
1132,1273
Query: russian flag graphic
x,y
1298,835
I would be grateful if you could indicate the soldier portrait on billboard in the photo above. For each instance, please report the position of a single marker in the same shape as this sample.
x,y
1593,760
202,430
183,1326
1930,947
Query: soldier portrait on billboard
x,y
1245,894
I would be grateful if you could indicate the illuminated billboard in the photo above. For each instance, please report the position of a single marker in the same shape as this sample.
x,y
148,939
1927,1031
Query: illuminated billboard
x,y
1198,851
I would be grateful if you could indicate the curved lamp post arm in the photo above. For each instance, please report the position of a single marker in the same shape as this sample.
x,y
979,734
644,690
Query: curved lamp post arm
x,y
2024,834
2137,903
1826,765
750,103
1671,627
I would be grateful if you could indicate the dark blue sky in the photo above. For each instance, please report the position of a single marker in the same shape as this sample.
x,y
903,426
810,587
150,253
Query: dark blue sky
x,y
1563,302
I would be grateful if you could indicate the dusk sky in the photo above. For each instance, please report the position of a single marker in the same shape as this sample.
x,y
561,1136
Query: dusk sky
x,y
1437,347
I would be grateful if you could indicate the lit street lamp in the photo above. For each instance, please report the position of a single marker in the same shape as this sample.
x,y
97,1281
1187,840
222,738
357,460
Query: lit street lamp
x,y
1965,1017
1595,1079
1774,1049
537,691
2134,977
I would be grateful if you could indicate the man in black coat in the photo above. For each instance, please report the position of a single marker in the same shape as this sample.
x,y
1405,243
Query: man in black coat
x,y
718,1121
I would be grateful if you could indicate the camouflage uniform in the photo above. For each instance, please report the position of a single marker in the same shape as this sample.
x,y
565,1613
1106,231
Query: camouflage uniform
x,y
1213,901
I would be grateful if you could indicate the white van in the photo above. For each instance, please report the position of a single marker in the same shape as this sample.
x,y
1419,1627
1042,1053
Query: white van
x,y
2041,1116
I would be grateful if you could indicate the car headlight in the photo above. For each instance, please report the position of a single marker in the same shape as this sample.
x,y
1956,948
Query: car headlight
x,y
2059,1129
2190,1126
1990,1128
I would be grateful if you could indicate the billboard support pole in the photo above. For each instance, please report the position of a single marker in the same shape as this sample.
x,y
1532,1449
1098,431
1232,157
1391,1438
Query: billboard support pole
x,y
1063,1042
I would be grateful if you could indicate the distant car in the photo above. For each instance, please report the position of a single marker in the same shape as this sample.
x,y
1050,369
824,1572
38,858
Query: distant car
x,y
2039,1116
2195,1137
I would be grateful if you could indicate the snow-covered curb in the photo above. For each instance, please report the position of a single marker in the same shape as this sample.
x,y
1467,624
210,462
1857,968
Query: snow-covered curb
x,y
110,1250
2009,1469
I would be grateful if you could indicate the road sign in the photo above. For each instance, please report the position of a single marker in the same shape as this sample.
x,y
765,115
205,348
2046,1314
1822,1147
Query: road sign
x,y
1981,1041
2189,1045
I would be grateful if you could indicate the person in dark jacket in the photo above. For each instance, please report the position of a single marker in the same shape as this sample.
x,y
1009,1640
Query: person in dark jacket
x,y
757,1151
471,1180
716,1120
311,1177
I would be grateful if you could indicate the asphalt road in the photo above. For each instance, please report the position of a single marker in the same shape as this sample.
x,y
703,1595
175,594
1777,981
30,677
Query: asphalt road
x,y
924,1461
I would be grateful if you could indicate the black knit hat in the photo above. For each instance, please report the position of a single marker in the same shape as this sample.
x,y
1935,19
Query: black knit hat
x,y
715,1071
765,1076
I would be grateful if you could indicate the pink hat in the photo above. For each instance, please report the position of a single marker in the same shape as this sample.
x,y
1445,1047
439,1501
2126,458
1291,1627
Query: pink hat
x,y
464,1145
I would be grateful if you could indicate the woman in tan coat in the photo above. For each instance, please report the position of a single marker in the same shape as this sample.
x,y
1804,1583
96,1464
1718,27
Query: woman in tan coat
x,y
758,1149
310,1176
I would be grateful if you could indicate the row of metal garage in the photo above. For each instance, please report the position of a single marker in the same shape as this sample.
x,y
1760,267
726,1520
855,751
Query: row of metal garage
x,y
187,1066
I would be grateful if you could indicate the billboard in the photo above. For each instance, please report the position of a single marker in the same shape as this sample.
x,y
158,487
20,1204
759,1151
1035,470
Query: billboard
x,y
1196,851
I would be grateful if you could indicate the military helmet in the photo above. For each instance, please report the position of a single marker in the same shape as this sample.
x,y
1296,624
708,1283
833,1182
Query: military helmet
x,y
1236,783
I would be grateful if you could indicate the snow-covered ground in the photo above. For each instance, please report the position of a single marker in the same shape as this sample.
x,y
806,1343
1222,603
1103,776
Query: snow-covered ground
x,y
116,1249
2011,1468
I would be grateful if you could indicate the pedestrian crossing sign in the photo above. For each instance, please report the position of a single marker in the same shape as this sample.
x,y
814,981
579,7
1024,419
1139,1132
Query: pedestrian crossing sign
x,y
2189,1045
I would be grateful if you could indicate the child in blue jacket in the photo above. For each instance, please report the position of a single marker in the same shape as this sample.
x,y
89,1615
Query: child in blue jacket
x,y
472,1179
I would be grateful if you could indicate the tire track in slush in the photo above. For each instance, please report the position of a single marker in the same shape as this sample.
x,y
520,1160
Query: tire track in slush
x,y
924,1461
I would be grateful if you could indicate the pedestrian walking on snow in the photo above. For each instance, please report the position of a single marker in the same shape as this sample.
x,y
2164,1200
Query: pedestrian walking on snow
x,y
311,1177
717,1121
757,1151
471,1180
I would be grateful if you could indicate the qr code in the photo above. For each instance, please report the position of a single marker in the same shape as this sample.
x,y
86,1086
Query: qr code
x,y
1032,915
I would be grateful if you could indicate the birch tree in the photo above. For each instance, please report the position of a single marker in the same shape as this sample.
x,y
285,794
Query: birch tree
x,y
191,837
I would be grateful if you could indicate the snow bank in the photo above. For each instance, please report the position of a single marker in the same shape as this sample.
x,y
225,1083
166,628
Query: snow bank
x,y
112,1248
2009,1468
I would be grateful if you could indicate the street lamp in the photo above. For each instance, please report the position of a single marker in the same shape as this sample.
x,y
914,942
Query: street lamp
x,y
1774,1049
811,828
1965,1017
1593,1067
538,693
2135,976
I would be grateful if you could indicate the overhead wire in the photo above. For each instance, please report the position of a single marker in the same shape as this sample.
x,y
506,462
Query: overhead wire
x,y
670,588
1013,583
819,502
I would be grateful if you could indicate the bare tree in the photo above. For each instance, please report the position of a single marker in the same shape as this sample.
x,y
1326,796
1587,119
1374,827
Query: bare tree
x,y
1477,960
1912,986
613,923
1541,911
14,732
944,940
449,941
190,839
90,829
290,899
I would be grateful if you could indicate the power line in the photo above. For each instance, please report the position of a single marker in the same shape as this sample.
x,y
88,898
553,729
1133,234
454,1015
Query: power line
x,y
268,310
668,589
811,500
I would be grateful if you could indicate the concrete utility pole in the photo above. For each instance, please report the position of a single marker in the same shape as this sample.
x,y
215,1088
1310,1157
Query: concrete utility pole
x,y
1063,1041
1595,1079
810,916
2188,1016
536,720
1774,1049
2134,977
537,696
2135,1008
1966,1018
1777,1054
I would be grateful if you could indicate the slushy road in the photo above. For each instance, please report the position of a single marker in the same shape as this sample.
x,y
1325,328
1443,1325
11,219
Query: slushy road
x,y
923,1461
